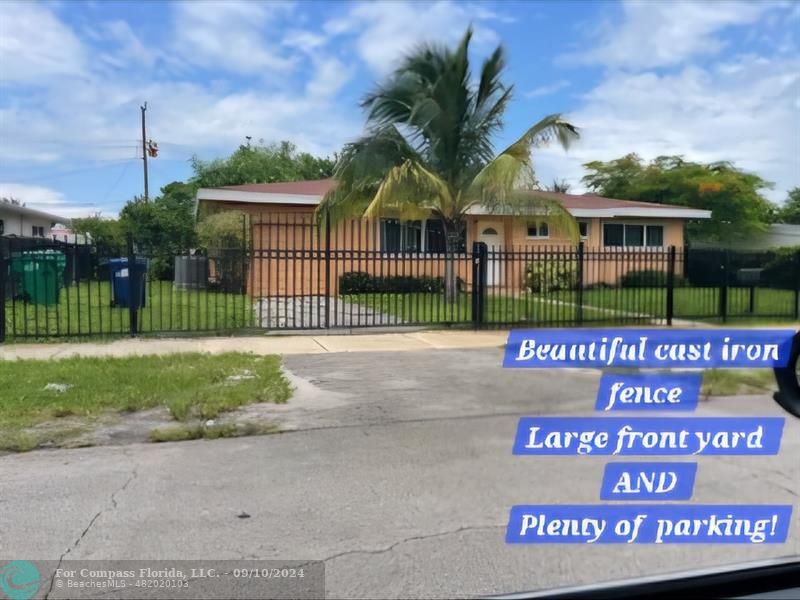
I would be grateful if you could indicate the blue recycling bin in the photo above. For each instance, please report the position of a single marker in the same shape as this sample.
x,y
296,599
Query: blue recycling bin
x,y
121,279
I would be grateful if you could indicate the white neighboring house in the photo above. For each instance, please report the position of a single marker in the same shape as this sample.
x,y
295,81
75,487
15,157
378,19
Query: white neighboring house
x,y
21,221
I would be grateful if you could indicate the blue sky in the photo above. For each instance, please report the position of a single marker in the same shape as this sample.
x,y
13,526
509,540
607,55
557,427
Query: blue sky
x,y
709,80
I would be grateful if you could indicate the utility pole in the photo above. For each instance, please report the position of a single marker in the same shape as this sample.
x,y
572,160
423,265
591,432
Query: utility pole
x,y
144,151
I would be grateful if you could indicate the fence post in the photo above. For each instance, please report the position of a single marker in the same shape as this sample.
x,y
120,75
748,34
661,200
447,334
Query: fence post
x,y
723,287
244,254
671,285
579,283
3,276
327,268
133,290
479,259
796,289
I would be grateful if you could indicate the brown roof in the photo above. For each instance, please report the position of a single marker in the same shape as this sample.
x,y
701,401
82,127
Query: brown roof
x,y
316,187
592,201
320,187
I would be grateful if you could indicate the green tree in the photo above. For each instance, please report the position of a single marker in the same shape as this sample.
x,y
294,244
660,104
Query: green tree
x,y
734,197
163,227
225,237
260,164
790,211
428,150
105,234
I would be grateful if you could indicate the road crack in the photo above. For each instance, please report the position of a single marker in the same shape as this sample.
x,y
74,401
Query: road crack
x,y
414,538
113,502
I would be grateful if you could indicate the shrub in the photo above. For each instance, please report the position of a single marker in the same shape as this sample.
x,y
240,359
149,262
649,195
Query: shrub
x,y
782,269
359,282
649,278
225,235
543,276
224,230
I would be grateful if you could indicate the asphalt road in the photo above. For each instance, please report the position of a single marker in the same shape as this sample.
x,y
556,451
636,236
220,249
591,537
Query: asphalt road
x,y
399,475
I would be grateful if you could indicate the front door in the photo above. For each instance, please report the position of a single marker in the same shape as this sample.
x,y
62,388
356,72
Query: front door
x,y
491,234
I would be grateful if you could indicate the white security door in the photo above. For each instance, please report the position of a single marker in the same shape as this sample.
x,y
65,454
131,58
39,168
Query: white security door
x,y
491,234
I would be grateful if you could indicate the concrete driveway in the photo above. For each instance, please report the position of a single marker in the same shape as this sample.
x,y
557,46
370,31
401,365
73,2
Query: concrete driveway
x,y
399,475
313,312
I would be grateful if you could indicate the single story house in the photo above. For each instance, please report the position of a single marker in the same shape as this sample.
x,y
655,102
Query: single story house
x,y
21,221
286,237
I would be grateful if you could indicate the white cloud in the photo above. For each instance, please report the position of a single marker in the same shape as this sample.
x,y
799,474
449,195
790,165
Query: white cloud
x,y
654,34
230,34
330,75
387,30
656,98
35,45
31,194
129,47
744,111
304,40
43,198
546,90
94,116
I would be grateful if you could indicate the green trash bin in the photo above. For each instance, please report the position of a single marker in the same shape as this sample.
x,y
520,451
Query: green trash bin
x,y
41,274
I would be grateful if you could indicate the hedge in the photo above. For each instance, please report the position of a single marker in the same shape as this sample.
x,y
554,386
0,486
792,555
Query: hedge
x,y
359,282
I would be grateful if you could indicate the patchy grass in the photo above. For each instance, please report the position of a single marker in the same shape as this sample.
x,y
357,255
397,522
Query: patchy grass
x,y
190,386
184,431
732,382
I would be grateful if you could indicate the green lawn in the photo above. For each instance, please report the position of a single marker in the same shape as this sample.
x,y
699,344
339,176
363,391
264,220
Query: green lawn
x,y
432,308
610,305
85,309
191,386
690,302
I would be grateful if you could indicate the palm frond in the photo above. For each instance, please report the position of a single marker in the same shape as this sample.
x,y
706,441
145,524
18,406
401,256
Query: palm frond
x,y
360,170
502,175
409,191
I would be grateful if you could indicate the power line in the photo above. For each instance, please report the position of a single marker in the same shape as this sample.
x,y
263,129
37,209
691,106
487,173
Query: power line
x,y
58,174
116,183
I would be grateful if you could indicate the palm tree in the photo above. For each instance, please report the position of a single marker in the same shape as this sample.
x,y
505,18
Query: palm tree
x,y
428,150
562,186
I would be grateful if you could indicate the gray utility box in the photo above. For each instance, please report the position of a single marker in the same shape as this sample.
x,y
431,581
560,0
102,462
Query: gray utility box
x,y
749,276
191,272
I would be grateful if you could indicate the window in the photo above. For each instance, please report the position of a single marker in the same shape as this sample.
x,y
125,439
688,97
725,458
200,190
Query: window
x,y
400,236
2,227
618,235
435,241
538,230
583,228
416,236
634,236
37,231
655,236
613,235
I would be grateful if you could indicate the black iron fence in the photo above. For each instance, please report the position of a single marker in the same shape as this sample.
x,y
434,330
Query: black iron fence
x,y
294,274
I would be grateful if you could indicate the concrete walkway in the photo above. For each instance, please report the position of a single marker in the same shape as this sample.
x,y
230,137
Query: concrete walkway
x,y
296,344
